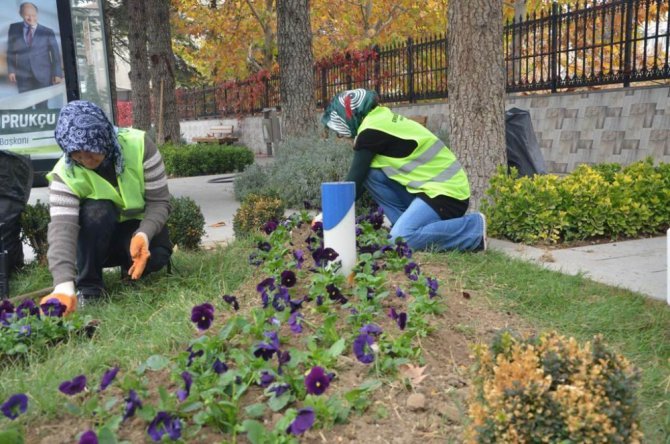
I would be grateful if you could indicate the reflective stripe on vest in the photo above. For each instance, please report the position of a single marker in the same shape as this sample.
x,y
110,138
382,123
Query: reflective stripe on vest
x,y
434,171
128,196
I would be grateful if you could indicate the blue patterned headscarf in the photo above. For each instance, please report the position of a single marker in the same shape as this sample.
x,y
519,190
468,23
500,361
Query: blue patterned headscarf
x,y
83,126
348,109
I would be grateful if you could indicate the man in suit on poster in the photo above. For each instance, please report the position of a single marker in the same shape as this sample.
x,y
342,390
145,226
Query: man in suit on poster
x,y
33,56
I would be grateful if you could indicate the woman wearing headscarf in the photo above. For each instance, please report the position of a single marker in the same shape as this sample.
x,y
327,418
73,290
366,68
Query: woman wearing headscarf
x,y
109,204
409,172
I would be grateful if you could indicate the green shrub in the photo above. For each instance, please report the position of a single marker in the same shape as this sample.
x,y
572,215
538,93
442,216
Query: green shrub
x,y
186,223
551,389
300,166
590,202
204,159
256,209
34,228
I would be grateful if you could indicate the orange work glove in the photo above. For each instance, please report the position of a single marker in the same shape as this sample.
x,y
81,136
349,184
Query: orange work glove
x,y
64,293
139,252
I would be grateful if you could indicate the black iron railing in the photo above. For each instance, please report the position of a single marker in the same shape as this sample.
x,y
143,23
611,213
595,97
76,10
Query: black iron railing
x,y
594,43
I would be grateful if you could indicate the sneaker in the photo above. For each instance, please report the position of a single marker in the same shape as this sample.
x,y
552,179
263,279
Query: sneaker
x,y
483,246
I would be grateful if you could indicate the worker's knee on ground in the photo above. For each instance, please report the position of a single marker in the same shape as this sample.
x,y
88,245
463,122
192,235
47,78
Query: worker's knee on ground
x,y
97,214
160,257
409,236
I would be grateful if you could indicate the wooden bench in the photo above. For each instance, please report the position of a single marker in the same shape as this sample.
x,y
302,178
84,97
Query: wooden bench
x,y
221,135
423,120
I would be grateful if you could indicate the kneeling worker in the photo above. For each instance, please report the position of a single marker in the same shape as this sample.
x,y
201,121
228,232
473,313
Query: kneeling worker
x,y
109,204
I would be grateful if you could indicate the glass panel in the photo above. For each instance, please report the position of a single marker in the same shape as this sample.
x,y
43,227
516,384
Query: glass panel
x,y
89,34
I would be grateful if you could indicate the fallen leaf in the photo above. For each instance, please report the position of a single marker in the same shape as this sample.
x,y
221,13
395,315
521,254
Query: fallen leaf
x,y
413,373
218,224
466,295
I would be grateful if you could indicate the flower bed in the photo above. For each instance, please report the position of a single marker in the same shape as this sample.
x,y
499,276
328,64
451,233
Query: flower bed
x,y
308,353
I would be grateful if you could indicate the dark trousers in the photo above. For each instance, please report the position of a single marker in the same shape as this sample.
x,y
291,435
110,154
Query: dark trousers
x,y
30,84
105,242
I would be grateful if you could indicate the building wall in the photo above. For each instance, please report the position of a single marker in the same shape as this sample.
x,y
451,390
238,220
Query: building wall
x,y
620,125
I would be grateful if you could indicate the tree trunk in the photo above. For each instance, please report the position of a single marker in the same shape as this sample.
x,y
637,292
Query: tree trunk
x,y
111,66
139,68
161,62
296,60
477,89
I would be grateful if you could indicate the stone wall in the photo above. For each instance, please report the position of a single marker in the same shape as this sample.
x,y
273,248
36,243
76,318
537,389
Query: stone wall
x,y
620,125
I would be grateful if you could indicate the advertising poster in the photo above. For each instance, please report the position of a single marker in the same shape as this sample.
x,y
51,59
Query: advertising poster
x,y
32,83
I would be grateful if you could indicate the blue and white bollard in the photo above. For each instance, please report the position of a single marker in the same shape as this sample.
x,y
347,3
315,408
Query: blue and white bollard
x,y
339,221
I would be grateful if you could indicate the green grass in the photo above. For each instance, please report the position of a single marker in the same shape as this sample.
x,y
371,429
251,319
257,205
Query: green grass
x,y
147,318
632,324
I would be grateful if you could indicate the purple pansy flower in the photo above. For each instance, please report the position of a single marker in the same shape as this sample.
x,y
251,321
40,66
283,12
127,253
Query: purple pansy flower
x,y
74,386
317,381
163,424
317,227
295,322
14,406
335,294
188,381
403,249
279,389
371,329
282,358
299,256
108,377
254,259
27,308
25,330
399,318
412,271
296,304
88,437
264,246
266,350
192,355
399,292
362,348
433,285
231,300
324,255
303,422
270,226
266,379
132,404
6,307
319,300
219,367
288,278
203,315
53,308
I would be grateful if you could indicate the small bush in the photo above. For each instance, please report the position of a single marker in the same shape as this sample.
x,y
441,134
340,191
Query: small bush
x,y
256,209
34,228
551,389
591,202
300,166
186,223
204,159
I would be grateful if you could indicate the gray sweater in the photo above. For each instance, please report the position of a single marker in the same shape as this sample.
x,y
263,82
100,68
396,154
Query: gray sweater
x,y
64,209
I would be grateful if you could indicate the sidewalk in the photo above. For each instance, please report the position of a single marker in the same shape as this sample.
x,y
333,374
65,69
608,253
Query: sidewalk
x,y
637,265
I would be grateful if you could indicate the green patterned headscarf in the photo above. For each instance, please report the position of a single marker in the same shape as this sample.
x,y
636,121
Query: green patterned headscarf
x,y
348,109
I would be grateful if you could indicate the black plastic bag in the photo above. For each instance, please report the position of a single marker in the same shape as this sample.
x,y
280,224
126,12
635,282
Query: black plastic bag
x,y
16,178
523,151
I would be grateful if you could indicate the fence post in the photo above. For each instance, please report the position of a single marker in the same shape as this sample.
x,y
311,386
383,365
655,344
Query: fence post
x,y
266,96
410,70
553,49
628,44
324,86
347,64
376,71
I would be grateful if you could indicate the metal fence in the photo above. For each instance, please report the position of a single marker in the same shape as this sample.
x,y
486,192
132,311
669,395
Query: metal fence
x,y
594,43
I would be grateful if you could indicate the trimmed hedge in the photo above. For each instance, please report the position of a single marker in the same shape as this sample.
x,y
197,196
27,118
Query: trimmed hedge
x,y
591,202
255,211
204,159
186,224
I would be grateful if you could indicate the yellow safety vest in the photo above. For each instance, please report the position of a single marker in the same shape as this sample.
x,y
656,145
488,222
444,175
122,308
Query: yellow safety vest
x,y
431,168
128,196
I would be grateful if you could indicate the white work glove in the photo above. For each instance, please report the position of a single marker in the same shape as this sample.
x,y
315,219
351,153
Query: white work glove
x,y
317,218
